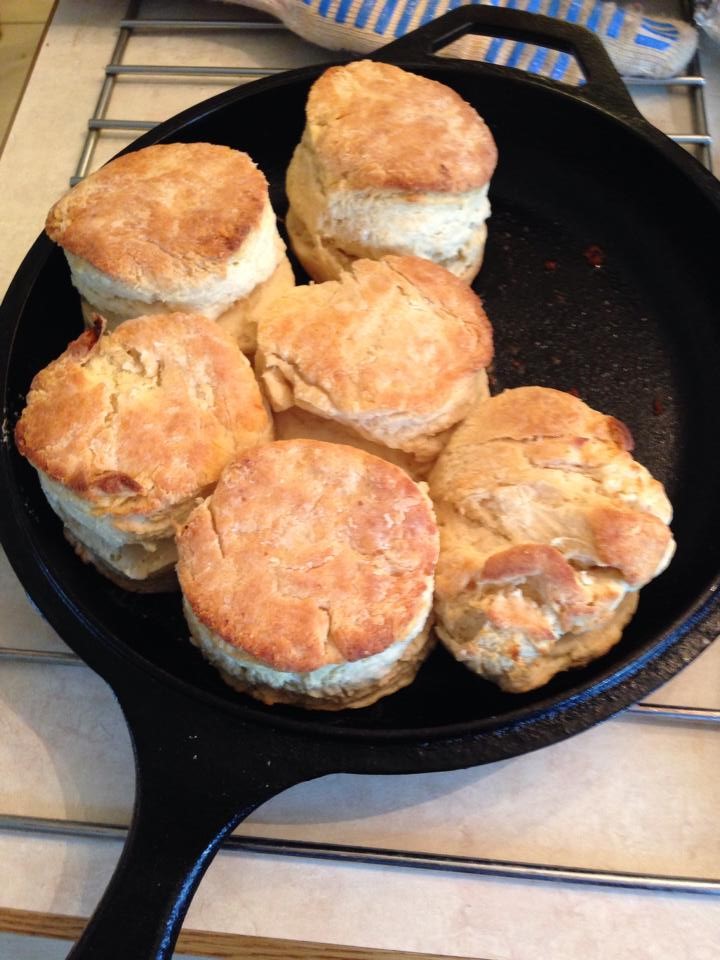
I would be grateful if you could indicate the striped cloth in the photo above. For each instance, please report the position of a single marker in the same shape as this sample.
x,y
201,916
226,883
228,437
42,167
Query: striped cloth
x,y
638,45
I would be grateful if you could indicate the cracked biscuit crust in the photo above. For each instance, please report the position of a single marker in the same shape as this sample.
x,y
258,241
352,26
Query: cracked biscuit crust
x,y
164,215
146,417
548,529
373,125
396,350
310,554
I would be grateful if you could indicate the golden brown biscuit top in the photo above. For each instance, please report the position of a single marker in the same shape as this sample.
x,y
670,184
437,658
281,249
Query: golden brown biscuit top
x,y
375,125
392,335
529,412
310,554
549,488
145,417
169,212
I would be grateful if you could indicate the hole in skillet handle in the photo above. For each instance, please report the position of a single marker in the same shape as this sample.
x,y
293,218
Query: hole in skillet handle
x,y
603,85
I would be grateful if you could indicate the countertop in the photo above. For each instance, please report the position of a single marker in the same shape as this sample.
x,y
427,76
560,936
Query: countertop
x,y
631,795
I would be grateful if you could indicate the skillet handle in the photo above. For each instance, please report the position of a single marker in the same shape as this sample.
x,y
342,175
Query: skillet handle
x,y
603,87
199,772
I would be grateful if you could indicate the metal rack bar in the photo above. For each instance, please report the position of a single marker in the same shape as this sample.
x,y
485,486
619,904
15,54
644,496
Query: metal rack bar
x,y
120,125
698,101
383,856
103,100
43,657
657,711
700,138
118,70
685,81
149,24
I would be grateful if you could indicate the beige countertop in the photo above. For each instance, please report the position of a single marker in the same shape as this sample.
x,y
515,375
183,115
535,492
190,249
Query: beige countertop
x,y
631,795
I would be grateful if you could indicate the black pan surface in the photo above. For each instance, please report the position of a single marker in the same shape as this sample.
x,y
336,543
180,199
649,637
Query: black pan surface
x,y
598,279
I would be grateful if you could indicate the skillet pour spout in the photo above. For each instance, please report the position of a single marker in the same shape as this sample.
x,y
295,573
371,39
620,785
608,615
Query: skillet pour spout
x,y
578,167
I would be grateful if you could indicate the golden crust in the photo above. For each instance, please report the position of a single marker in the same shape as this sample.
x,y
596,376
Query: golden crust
x,y
141,419
529,412
309,554
395,349
633,542
163,213
450,296
547,526
377,126
535,560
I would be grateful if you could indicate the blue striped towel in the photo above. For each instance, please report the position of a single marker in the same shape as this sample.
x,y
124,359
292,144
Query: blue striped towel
x,y
639,45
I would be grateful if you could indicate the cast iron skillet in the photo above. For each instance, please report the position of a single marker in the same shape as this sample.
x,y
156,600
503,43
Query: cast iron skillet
x,y
637,336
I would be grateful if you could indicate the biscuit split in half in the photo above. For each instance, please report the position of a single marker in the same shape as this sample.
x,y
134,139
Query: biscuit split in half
x,y
174,227
308,575
392,354
128,430
389,162
548,530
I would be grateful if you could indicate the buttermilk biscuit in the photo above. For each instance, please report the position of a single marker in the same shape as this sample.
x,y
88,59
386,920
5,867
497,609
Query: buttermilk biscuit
x,y
128,430
389,162
394,352
308,575
548,530
180,226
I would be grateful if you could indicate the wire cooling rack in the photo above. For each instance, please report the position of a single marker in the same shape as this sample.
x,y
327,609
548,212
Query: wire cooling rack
x,y
104,123
692,84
